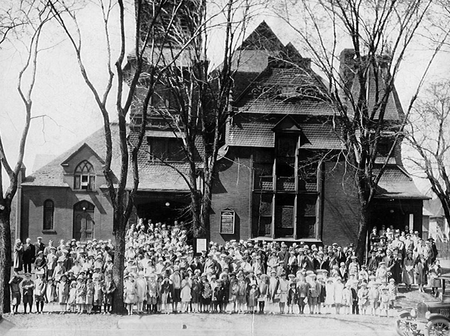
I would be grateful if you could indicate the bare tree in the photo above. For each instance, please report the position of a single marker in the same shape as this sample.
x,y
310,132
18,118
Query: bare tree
x,y
362,92
428,134
141,71
30,18
200,96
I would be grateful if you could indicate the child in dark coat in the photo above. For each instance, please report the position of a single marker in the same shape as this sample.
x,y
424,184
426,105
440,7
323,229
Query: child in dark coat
x,y
292,298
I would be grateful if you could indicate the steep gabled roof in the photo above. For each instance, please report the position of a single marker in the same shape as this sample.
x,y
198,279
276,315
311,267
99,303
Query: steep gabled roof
x,y
83,147
51,174
262,38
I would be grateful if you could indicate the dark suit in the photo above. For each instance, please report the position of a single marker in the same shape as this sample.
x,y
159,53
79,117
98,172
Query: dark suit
x,y
29,253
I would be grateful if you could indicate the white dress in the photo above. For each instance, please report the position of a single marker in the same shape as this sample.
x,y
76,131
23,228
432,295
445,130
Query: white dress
x,y
338,292
329,292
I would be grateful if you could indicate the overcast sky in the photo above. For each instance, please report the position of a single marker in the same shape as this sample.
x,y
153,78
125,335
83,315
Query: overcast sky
x,y
71,113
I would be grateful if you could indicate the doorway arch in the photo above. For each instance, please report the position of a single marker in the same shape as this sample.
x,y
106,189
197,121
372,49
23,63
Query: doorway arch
x,y
83,221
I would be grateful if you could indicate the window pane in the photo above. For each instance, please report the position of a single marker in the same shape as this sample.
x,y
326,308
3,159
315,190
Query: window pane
x,y
48,215
91,182
76,184
175,150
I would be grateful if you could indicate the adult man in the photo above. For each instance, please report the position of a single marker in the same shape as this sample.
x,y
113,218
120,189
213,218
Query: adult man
x,y
29,254
38,246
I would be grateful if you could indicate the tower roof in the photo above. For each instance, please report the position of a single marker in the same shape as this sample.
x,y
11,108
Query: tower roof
x,y
262,38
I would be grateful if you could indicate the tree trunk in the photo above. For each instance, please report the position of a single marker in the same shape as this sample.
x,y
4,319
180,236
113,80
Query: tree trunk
x,y
206,203
119,260
362,232
5,259
195,211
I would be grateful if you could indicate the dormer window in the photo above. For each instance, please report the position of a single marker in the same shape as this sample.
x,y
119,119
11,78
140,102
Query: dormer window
x,y
84,176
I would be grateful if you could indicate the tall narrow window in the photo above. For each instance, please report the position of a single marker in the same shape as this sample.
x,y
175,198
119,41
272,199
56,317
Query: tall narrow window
x,y
84,177
49,208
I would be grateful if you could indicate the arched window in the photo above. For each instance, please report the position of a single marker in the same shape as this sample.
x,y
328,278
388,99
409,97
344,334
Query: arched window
x,y
84,177
49,208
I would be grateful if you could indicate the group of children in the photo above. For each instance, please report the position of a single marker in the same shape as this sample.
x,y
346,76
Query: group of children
x,y
84,293
260,293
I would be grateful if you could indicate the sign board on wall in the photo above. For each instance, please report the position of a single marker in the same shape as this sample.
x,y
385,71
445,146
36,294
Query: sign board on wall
x,y
227,221
201,245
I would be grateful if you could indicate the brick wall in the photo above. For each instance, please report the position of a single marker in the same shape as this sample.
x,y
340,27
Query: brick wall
x,y
64,199
340,206
232,190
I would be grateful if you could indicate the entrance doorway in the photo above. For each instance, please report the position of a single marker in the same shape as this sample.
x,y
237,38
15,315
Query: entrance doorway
x,y
167,211
83,221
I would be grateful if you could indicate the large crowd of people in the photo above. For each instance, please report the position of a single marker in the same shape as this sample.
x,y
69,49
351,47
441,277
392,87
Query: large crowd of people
x,y
163,274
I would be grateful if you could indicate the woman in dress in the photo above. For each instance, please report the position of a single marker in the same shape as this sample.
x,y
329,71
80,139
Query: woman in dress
x,y
420,270
186,295
18,253
408,270
130,293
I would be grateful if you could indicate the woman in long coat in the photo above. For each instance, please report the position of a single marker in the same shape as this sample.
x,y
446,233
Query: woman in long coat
x,y
421,270
18,253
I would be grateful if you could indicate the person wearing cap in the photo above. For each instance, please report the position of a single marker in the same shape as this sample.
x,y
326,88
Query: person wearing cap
x,y
40,288
62,290
108,289
353,266
384,298
185,294
393,291
363,298
90,290
40,263
129,292
372,261
141,292
421,270
283,288
176,278
253,294
71,302
166,291
80,296
14,285
27,292
315,289
51,262
241,295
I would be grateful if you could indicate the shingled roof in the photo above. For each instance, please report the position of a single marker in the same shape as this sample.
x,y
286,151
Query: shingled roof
x,y
51,174
397,184
153,176
258,132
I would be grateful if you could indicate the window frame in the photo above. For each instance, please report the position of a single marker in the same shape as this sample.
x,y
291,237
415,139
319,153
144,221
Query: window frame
x,y
48,215
86,173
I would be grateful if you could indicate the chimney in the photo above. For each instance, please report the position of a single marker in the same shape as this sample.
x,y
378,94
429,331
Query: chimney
x,y
347,67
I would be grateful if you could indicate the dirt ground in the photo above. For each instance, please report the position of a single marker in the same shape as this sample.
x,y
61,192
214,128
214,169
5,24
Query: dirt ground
x,y
54,324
